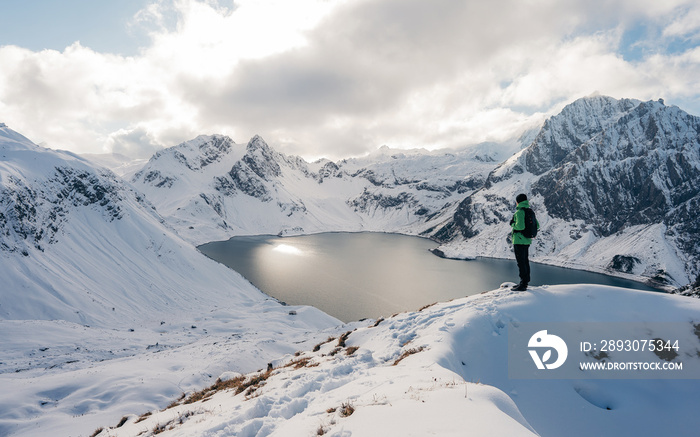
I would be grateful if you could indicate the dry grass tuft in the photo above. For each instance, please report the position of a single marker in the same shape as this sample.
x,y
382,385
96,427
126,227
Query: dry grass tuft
x,y
123,421
239,384
342,338
208,392
177,402
346,409
408,353
427,306
254,383
159,428
318,346
379,320
143,417
301,362
228,384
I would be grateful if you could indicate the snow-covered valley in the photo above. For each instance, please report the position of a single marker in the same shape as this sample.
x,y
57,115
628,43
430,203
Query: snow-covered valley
x,y
107,310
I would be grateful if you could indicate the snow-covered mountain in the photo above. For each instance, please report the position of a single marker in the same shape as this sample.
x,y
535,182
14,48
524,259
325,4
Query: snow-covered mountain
x,y
90,276
106,308
615,184
210,188
78,244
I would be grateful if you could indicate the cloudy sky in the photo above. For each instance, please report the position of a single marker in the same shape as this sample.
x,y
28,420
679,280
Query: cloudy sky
x,y
330,78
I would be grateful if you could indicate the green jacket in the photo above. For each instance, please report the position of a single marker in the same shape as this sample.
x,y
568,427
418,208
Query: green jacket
x,y
518,224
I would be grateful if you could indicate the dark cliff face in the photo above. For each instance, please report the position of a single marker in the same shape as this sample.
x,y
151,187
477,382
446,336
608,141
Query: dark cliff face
x,y
247,181
563,134
214,150
32,212
470,215
638,171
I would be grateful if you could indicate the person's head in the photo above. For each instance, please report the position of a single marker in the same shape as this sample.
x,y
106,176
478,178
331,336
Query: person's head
x,y
520,198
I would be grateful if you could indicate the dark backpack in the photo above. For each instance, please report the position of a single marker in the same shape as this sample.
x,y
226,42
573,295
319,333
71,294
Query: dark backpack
x,y
530,230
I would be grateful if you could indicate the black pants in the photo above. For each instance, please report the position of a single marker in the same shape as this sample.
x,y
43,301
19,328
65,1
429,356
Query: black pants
x,y
521,256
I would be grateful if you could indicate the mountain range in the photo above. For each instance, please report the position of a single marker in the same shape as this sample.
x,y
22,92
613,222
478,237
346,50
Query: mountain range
x,y
616,187
211,188
615,183
100,273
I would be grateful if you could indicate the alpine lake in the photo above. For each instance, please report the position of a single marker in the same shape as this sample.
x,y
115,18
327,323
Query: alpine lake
x,y
353,276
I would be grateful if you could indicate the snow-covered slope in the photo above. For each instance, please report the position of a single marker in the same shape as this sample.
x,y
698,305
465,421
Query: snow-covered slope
x,y
210,189
615,184
444,371
80,245
119,164
91,276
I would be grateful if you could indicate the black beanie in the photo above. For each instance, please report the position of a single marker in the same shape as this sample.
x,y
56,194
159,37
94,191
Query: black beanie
x,y
521,197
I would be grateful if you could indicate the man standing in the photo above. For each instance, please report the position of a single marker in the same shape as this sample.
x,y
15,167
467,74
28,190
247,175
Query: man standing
x,y
522,238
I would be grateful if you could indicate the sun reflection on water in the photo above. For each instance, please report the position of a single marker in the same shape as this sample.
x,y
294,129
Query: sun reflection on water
x,y
288,249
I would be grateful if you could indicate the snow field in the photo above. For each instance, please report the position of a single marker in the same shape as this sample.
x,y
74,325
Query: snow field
x,y
451,378
61,378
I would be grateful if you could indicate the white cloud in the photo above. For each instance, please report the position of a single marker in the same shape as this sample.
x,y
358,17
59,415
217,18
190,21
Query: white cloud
x,y
339,77
686,24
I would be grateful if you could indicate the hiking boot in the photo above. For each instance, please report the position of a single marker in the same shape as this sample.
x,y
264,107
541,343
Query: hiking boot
x,y
520,287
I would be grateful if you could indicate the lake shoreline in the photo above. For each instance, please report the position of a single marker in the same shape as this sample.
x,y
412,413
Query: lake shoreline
x,y
383,273
644,280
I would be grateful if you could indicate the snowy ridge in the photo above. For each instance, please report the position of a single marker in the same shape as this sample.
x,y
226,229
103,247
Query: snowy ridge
x,y
614,184
256,190
418,374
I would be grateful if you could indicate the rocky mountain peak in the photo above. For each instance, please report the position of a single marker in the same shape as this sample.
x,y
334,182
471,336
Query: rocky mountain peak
x,y
214,148
633,172
262,159
566,131
602,168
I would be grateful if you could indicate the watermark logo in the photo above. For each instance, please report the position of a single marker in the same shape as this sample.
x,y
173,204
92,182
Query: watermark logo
x,y
547,342
603,350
